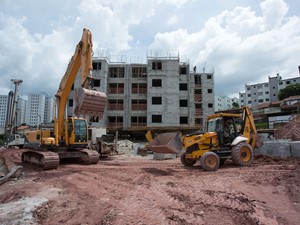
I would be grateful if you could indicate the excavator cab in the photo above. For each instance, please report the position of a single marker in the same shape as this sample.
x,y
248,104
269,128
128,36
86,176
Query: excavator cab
x,y
77,135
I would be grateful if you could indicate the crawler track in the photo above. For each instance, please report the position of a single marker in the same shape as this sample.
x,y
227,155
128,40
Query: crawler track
x,y
50,160
89,156
43,159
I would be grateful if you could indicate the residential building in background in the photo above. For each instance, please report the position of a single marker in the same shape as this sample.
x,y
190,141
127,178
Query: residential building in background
x,y
40,109
267,92
159,94
21,111
3,112
49,109
223,102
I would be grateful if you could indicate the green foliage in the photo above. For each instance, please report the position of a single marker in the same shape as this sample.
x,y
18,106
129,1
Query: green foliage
x,y
290,90
262,125
235,105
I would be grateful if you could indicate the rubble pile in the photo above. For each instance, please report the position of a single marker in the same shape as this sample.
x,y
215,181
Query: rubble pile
x,y
290,131
124,147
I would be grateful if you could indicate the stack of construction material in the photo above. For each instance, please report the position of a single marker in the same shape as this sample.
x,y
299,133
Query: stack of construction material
x,y
290,131
124,147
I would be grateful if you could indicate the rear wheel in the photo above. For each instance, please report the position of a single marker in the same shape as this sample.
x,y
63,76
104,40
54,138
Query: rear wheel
x,y
242,154
210,161
185,161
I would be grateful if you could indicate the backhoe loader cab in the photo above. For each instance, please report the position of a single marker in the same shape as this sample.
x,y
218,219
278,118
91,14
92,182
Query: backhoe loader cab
x,y
228,135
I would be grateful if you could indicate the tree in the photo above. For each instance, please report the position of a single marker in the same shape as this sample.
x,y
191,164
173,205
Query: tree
x,y
290,90
235,105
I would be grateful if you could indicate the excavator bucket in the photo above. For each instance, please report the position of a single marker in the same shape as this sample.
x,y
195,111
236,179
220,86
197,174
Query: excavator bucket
x,y
90,102
166,143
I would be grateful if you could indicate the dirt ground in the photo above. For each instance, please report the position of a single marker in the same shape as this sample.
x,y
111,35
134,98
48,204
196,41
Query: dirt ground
x,y
130,189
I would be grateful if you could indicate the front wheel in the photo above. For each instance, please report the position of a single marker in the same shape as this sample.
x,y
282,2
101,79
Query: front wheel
x,y
242,154
185,161
210,161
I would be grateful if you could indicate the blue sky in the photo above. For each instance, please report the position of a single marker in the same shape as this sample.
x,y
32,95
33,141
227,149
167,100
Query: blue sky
x,y
243,41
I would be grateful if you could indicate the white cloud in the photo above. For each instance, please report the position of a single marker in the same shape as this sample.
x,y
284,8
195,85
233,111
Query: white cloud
x,y
172,20
37,59
273,13
241,45
238,45
177,3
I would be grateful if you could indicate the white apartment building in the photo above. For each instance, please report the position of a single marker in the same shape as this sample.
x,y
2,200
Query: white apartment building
x,y
266,92
40,109
49,109
21,111
3,112
222,103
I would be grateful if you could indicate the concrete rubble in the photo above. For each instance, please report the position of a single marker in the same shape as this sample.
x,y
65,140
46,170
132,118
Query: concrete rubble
x,y
286,143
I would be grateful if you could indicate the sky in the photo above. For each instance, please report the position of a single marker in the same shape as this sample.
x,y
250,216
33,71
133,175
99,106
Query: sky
x,y
243,41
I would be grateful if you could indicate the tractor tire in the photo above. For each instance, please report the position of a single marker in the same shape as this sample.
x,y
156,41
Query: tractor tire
x,y
210,161
185,161
242,154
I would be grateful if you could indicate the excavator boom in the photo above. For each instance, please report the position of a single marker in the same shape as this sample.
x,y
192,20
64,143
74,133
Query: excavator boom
x,y
88,102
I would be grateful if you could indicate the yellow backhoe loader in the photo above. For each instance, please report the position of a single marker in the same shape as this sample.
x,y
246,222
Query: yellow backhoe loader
x,y
228,135
69,136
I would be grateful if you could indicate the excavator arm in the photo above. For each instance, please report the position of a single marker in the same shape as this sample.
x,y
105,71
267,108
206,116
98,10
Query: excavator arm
x,y
88,102
81,58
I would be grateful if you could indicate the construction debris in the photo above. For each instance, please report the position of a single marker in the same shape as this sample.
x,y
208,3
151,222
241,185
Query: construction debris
x,y
290,131
6,174
124,147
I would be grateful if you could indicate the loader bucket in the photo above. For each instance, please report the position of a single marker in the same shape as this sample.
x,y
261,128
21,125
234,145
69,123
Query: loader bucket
x,y
166,143
90,102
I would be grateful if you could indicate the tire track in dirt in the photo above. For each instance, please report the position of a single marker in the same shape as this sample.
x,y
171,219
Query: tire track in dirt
x,y
150,202
115,186
137,191
73,197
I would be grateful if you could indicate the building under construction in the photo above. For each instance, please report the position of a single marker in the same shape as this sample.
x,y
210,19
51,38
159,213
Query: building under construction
x,y
162,94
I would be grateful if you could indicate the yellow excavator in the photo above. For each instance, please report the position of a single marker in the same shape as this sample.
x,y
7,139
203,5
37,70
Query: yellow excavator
x,y
68,138
229,135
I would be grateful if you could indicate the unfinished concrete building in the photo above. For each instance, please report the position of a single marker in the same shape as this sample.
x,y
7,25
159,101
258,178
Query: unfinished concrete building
x,y
161,94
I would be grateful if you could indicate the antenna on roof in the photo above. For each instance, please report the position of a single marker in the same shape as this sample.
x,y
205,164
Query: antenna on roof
x,y
204,67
